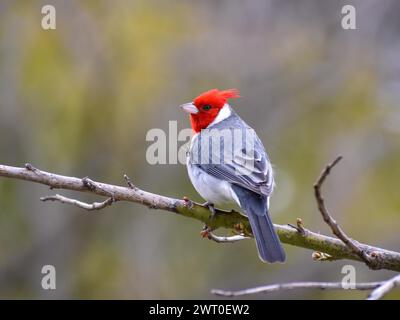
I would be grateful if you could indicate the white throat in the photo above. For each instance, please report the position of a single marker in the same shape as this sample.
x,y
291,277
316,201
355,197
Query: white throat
x,y
224,113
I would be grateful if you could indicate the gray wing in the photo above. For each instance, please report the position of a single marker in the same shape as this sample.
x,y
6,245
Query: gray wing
x,y
248,167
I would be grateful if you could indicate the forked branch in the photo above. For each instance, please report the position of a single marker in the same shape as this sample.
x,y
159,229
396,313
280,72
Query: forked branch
x,y
298,236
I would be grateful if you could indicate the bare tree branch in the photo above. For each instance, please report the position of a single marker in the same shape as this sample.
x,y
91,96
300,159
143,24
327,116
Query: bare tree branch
x,y
296,285
389,260
79,204
385,288
370,261
230,239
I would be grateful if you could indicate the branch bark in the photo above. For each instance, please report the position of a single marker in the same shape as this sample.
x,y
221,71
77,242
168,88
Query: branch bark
x,y
336,229
372,259
386,259
296,285
385,288
79,204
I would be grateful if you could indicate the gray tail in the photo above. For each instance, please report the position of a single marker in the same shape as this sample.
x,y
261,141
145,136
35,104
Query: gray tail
x,y
256,208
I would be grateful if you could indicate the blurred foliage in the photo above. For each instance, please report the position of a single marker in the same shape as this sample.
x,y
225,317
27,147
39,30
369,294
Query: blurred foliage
x,y
80,99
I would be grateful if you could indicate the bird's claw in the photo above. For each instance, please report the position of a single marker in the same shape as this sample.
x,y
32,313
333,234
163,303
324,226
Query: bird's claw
x,y
210,207
239,228
205,233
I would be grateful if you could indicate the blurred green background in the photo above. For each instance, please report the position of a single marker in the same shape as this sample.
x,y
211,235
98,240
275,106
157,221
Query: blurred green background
x,y
80,99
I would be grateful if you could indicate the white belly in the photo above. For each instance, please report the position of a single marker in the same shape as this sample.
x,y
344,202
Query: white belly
x,y
211,189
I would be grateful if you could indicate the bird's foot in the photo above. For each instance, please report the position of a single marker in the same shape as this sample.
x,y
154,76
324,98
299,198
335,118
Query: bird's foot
x,y
239,228
206,232
210,207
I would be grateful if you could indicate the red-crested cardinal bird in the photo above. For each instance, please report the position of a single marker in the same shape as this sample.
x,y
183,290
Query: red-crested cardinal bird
x,y
229,180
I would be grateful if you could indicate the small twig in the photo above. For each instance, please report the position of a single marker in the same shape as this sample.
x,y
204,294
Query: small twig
x,y
322,256
92,186
385,288
299,227
89,184
296,285
223,239
30,167
129,182
80,204
188,203
336,229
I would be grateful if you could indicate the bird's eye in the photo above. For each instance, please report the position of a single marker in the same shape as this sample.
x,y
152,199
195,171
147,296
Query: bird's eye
x,y
206,107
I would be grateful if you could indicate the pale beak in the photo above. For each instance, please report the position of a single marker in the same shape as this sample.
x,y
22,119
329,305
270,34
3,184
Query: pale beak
x,y
190,108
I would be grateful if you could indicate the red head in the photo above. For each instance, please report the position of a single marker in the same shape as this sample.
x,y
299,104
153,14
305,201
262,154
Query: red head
x,y
206,107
